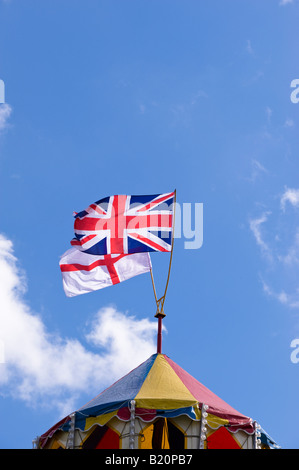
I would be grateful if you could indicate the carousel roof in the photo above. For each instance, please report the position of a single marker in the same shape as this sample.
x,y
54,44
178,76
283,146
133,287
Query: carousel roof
x,y
162,385
159,387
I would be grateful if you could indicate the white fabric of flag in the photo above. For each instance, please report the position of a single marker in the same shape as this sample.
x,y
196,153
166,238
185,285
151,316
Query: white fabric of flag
x,y
82,272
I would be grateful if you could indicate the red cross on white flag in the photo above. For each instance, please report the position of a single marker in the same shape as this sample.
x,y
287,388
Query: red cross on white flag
x,y
82,273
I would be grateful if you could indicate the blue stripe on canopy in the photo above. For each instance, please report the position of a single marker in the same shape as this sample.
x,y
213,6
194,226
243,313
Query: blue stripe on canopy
x,y
121,391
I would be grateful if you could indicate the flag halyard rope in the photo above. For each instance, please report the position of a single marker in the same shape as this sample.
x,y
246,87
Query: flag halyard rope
x,y
160,302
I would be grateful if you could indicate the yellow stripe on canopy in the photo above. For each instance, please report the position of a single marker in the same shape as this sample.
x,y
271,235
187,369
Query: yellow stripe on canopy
x,y
101,420
215,421
163,389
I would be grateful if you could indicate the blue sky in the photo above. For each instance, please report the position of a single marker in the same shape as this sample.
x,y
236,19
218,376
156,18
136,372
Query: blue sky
x,y
141,97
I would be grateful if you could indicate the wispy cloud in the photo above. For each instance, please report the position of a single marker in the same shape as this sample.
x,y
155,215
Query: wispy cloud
x,y
290,300
183,112
278,239
256,228
289,123
257,170
285,2
292,255
5,112
48,369
258,75
291,196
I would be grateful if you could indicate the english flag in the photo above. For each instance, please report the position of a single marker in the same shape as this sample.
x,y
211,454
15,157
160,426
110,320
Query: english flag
x,y
82,272
125,224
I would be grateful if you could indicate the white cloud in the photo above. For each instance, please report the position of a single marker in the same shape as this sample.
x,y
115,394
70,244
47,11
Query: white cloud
x,y
292,256
290,195
278,239
46,368
255,227
257,169
289,123
285,2
259,166
5,112
290,300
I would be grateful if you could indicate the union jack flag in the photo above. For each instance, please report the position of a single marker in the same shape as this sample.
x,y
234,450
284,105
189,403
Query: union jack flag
x,y
125,224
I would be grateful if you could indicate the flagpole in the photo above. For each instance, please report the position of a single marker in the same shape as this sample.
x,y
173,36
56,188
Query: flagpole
x,y
160,302
160,315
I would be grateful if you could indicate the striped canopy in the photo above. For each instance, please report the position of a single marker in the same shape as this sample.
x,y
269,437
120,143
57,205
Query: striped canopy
x,y
160,388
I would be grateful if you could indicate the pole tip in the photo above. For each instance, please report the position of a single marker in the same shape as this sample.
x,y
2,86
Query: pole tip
x,y
160,315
